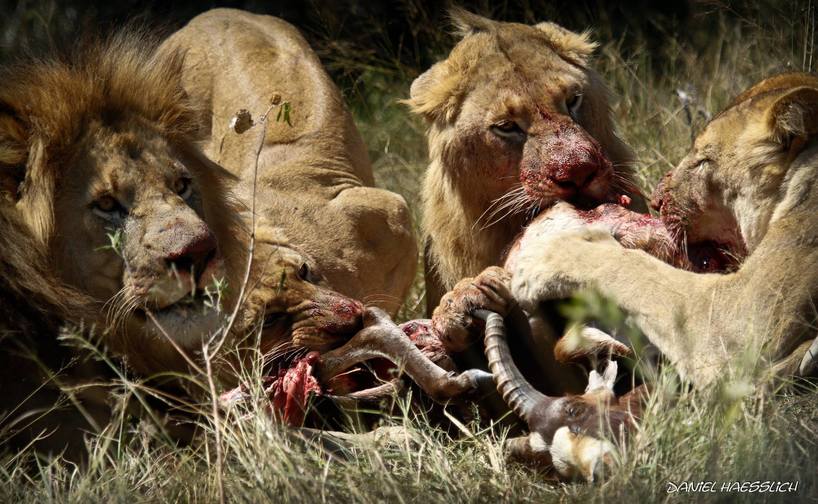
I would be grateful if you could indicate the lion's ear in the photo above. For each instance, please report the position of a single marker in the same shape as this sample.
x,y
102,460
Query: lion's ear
x,y
468,23
13,153
575,46
434,94
793,118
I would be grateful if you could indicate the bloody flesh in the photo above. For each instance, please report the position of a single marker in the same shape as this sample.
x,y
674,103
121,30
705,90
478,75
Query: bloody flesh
x,y
290,391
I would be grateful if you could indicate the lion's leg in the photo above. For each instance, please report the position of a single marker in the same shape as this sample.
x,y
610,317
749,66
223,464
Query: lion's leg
x,y
455,323
669,305
381,220
382,338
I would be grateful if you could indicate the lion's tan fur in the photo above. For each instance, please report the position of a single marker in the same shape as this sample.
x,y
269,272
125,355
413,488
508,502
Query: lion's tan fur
x,y
755,166
33,302
54,100
494,63
314,180
49,107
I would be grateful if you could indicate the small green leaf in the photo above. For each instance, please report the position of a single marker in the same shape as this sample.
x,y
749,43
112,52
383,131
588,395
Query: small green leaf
x,y
282,282
284,113
115,241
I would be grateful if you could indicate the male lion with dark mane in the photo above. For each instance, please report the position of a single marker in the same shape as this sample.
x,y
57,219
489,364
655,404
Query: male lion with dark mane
x,y
118,214
101,168
99,162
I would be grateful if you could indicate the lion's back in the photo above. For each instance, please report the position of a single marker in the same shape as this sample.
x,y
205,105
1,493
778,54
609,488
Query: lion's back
x,y
238,60
314,178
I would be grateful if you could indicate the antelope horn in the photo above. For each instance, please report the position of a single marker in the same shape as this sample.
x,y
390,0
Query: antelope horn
x,y
520,396
810,361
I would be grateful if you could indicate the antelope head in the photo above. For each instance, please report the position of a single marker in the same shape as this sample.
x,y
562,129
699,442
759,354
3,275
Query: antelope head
x,y
569,433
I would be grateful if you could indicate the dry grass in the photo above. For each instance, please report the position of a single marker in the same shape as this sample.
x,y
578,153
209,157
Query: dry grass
x,y
719,436
729,433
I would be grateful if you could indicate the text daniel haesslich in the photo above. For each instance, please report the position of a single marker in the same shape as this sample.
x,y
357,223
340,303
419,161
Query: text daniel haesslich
x,y
732,486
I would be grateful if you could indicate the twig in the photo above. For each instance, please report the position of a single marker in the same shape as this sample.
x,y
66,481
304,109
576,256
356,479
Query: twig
x,y
216,423
229,327
252,246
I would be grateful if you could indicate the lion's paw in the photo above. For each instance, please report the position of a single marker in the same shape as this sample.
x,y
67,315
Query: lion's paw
x,y
533,284
452,320
542,273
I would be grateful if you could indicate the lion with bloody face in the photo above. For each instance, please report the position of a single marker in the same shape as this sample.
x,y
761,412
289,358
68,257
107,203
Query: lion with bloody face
x,y
517,120
742,203
114,219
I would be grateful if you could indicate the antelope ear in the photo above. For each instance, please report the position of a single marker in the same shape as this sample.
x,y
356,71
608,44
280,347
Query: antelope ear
x,y
434,94
581,341
575,46
793,118
467,23
13,153
605,381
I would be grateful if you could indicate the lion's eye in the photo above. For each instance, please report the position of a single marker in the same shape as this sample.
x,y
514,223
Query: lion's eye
x,y
108,207
304,272
272,319
508,129
105,204
573,104
183,187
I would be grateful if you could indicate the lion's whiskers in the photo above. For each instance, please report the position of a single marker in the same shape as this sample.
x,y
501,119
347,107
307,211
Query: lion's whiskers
x,y
622,183
498,201
379,297
120,306
283,352
512,202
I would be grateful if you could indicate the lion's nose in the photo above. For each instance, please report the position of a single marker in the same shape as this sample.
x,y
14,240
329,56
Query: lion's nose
x,y
577,175
193,254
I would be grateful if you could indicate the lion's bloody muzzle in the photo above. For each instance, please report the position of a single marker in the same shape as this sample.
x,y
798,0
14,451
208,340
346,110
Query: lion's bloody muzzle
x,y
564,162
194,251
